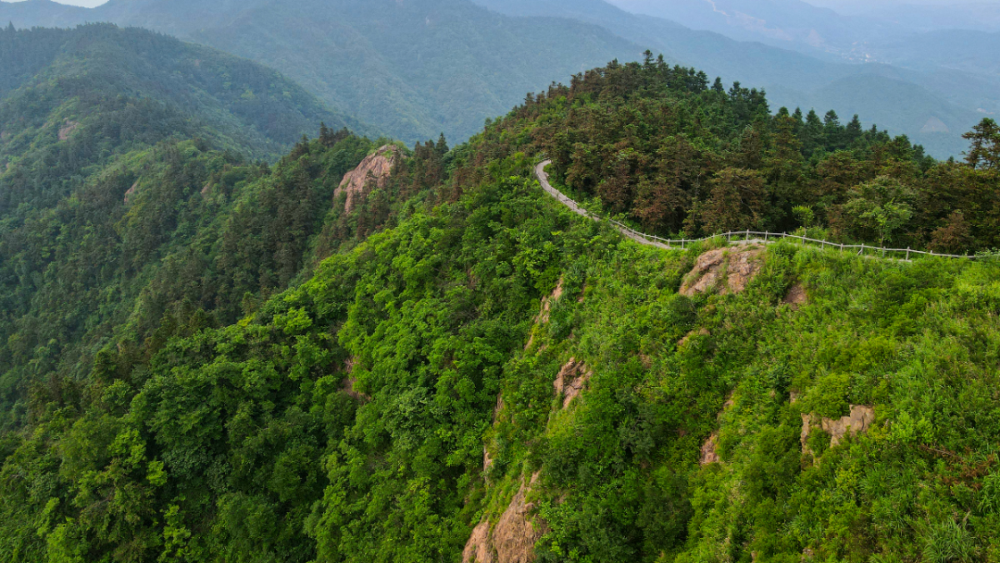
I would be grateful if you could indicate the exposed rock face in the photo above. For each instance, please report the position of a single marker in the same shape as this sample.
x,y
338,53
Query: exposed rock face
x,y
858,422
743,268
737,267
796,297
513,538
708,455
375,170
543,316
131,192
351,382
687,338
708,449
479,549
706,273
67,129
487,457
572,378
546,311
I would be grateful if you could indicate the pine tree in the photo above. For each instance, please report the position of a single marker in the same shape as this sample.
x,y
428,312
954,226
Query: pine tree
x,y
812,133
833,131
325,135
854,131
985,150
442,145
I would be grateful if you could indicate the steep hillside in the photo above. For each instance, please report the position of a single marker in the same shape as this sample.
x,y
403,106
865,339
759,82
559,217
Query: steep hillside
x,y
127,193
495,379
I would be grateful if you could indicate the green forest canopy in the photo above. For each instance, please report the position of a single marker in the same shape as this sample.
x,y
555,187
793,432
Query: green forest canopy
x,y
292,383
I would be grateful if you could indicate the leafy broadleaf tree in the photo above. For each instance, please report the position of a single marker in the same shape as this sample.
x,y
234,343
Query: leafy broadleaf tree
x,y
879,208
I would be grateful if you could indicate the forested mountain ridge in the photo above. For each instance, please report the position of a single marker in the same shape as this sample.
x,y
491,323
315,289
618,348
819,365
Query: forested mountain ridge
x,y
930,103
476,374
719,161
125,158
255,107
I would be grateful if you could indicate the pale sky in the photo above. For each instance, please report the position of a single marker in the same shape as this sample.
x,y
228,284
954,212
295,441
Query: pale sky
x,y
844,5
854,5
86,3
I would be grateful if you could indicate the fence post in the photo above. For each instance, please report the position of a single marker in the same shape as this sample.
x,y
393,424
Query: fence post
x,y
729,237
747,238
765,236
907,253
862,251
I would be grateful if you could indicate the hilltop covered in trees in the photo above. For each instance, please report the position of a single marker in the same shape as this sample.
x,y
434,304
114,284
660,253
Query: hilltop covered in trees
x,y
677,154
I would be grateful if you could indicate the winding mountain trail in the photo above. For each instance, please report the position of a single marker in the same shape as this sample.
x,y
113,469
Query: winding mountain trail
x,y
735,237
543,179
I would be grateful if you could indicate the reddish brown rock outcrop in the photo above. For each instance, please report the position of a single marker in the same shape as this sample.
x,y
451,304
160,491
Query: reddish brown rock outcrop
x,y
131,192
513,538
729,270
572,378
796,297
67,129
708,455
543,316
373,172
479,548
858,422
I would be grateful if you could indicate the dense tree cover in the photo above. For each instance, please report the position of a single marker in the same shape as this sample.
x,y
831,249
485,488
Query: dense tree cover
x,y
110,222
259,384
678,155
172,239
345,419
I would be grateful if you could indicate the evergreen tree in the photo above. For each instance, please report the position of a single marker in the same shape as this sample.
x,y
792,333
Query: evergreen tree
x,y
985,150
325,135
833,131
812,133
853,131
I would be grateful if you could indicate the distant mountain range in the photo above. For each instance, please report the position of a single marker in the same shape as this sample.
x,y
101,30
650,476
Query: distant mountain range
x,y
413,69
418,68
934,105
100,72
